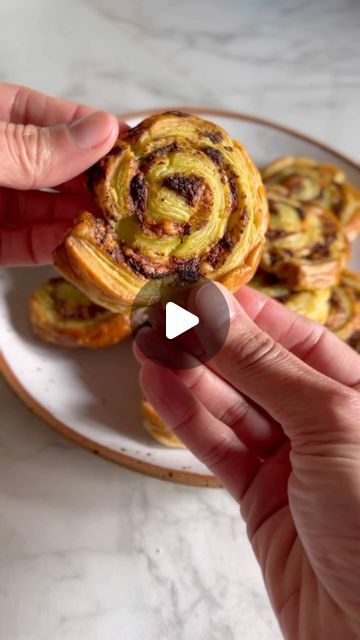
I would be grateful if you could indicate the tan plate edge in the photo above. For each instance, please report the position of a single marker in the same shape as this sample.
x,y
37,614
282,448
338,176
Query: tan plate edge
x,y
244,116
181,477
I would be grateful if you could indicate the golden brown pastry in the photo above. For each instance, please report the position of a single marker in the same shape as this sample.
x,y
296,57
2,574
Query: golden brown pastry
x,y
313,304
180,200
344,315
63,315
157,428
351,279
314,183
305,245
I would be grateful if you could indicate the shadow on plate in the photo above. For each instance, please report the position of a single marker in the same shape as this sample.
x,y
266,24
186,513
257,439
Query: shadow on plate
x,y
109,376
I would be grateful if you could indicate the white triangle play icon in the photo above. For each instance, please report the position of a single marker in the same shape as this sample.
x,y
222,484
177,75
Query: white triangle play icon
x,y
178,320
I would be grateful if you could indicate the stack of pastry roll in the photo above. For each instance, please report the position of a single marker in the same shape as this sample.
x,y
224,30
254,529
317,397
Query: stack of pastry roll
x,y
314,214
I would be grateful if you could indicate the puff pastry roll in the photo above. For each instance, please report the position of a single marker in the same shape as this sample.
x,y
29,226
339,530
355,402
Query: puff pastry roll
x,y
344,315
313,304
180,200
157,427
305,244
314,183
61,314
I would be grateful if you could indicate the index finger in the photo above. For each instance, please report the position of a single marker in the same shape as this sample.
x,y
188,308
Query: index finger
x,y
310,342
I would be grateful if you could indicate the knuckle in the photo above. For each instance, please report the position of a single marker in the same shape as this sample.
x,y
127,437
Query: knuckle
x,y
198,379
235,413
335,416
28,148
310,342
218,452
249,351
344,405
188,418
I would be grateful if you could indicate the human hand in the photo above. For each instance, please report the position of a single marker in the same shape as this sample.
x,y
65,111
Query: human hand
x,y
275,416
45,142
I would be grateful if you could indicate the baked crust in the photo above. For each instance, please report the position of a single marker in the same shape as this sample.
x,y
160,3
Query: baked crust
x,y
180,201
63,315
313,304
317,183
344,314
305,244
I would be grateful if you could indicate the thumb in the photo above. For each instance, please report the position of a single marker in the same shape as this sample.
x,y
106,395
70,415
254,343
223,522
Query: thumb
x,y
36,157
297,396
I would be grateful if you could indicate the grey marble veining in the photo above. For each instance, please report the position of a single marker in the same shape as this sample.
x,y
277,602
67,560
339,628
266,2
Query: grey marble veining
x,y
294,61
88,549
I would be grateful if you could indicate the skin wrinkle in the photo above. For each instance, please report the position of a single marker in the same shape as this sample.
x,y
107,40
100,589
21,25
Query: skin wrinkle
x,y
255,533
32,147
264,305
253,348
231,416
270,469
234,414
219,452
189,416
305,348
301,348
12,104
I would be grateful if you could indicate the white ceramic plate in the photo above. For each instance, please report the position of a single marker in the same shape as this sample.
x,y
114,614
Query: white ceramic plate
x,y
93,397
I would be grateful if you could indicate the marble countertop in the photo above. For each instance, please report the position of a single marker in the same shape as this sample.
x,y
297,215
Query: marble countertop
x,y
88,549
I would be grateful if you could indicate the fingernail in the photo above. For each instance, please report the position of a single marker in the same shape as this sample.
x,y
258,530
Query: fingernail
x,y
90,131
215,310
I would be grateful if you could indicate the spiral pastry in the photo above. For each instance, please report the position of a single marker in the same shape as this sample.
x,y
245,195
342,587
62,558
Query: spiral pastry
x,y
305,244
180,200
157,427
310,182
311,304
344,314
61,314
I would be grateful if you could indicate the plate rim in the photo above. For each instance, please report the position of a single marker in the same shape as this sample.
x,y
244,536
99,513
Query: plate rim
x,y
190,478
34,406
239,115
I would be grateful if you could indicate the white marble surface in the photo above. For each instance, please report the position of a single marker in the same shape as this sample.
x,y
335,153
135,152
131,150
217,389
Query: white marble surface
x,y
87,549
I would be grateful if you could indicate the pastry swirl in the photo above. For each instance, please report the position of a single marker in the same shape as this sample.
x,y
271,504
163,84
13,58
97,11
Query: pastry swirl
x,y
344,313
305,244
314,183
313,304
180,200
61,314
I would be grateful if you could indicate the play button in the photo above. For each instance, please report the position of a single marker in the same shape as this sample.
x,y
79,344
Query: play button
x,y
178,320
176,333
